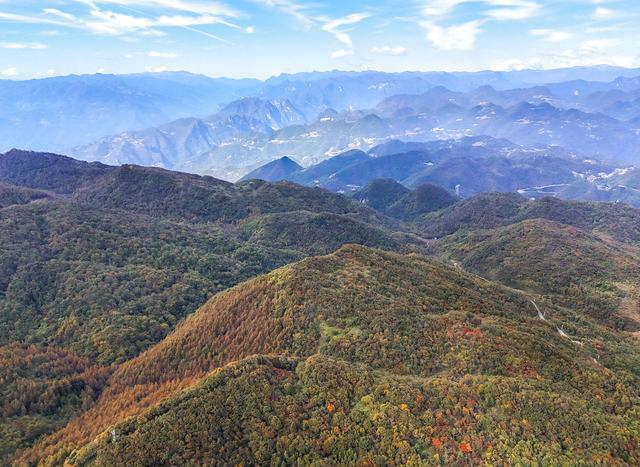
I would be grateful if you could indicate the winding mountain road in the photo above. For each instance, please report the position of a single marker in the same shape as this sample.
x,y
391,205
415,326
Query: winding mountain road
x,y
543,317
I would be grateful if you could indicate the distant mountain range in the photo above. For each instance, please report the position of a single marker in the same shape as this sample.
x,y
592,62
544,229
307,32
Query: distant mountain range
x,y
57,114
469,166
309,123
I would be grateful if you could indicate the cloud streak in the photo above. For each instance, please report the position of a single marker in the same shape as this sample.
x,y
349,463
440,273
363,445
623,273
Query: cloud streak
x,y
22,45
334,27
463,36
388,50
107,22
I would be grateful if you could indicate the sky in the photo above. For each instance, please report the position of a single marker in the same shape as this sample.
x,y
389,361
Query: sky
x,y
262,38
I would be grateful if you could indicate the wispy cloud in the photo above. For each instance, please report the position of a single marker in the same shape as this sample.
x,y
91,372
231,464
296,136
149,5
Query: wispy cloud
x,y
463,36
604,14
107,22
305,15
586,53
512,10
207,7
342,53
292,8
388,50
457,37
9,72
22,45
500,10
156,69
551,35
155,54
334,27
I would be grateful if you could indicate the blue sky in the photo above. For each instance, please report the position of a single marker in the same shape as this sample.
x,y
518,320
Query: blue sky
x,y
261,38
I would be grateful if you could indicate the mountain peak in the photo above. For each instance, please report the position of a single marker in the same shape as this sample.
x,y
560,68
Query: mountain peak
x,y
273,171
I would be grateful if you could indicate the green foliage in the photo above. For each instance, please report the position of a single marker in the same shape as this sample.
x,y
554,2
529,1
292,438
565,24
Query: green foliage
x,y
109,283
264,411
395,351
424,199
41,389
360,357
490,210
381,193
10,195
582,271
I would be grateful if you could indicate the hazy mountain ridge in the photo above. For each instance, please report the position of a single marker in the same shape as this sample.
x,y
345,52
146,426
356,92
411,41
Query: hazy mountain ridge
x,y
235,142
229,153
472,165
59,113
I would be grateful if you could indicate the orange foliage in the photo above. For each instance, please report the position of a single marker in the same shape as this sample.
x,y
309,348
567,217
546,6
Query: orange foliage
x,y
464,447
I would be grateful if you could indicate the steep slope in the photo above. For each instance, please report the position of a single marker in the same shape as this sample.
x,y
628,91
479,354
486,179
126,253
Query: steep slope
x,y
105,261
380,193
46,171
165,193
176,144
324,171
11,194
468,166
40,390
486,211
425,198
490,210
280,169
380,357
274,114
110,268
582,271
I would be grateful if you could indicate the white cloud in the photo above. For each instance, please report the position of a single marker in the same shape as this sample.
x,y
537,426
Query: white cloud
x,y
599,45
587,53
499,10
441,7
12,71
388,50
511,10
513,64
22,45
207,7
107,22
154,69
604,14
463,36
59,14
457,37
49,72
155,54
550,35
249,29
333,27
50,33
292,8
342,53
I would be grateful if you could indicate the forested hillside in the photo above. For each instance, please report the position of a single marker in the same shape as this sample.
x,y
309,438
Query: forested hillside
x,y
187,302
383,358
98,263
